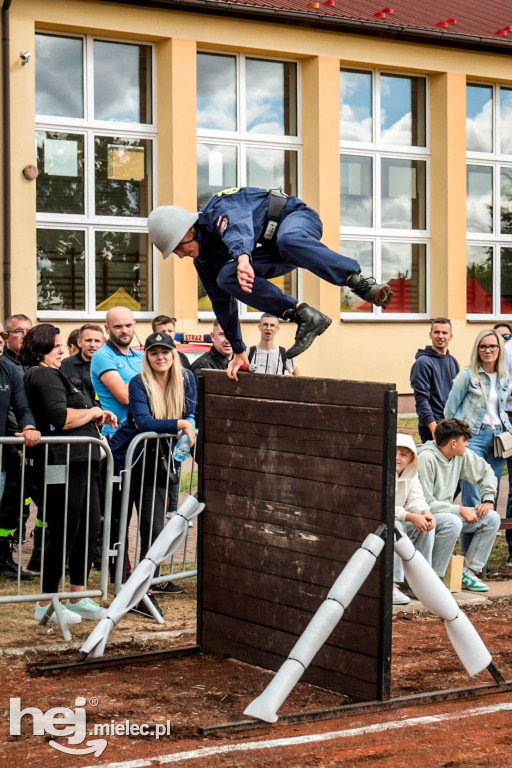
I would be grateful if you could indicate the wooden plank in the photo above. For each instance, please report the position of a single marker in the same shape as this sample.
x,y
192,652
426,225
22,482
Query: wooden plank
x,y
293,620
303,389
341,445
301,518
280,562
332,496
362,611
282,463
225,629
313,415
335,544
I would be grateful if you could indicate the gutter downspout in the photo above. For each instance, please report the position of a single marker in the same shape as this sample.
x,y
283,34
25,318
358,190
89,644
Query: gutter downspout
x,y
6,156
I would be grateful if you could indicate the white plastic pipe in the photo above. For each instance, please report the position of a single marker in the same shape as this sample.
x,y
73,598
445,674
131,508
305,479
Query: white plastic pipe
x,y
346,586
468,644
424,582
435,596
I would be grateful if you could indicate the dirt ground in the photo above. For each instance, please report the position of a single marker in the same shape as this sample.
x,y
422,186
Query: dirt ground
x,y
183,695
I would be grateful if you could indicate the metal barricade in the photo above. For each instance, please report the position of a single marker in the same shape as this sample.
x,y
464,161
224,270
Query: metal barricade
x,y
184,564
58,474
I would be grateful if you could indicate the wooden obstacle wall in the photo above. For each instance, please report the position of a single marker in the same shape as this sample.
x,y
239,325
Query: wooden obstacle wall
x,y
295,472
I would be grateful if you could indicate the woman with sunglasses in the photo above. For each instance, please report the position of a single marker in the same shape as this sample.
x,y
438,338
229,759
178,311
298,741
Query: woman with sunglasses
x,y
479,396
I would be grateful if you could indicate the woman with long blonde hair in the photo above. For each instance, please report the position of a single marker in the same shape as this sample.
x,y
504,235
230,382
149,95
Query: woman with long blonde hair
x,y
162,399
478,396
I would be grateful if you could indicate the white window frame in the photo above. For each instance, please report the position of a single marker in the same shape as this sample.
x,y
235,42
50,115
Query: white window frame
x,y
89,222
243,140
495,239
378,234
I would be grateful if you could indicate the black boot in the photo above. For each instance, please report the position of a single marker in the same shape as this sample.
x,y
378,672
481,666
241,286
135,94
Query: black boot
x,y
8,568
34,564
369,289
311,323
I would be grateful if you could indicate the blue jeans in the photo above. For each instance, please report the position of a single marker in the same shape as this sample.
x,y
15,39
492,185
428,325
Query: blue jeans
x,y
482,535
483,445
508,534
2,483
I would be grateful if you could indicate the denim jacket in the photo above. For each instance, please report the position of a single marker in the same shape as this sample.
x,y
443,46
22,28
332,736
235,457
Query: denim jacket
x,y
466,401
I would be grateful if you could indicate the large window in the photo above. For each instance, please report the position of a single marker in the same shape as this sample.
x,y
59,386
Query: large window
x,y
489,201
95,155
248,132
384,188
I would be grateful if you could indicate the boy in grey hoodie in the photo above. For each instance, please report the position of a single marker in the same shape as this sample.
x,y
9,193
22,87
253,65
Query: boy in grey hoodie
x,y
442,463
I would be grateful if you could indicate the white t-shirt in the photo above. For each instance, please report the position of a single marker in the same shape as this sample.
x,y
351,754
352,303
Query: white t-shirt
x,y
270,362
493,401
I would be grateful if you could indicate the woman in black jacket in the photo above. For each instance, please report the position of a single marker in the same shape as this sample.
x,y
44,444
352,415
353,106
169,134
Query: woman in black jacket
x,y
60,409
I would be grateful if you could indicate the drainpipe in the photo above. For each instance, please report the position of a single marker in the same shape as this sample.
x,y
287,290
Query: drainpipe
x,y
6,156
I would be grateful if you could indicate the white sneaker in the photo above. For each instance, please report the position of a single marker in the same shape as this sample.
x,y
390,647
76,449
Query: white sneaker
x,y
86,609
398,597
70,618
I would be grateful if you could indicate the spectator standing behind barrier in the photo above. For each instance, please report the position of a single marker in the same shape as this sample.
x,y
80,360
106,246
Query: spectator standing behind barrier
x,y
508,366
72,343
16,326
77,368
267,356
116,363
240,240
3,337
432,377
12,395
166,324
484,379
162,398
218,357
442,464
59,409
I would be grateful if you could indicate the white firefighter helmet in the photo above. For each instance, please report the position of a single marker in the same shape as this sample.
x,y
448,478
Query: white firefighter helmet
x,y
168,225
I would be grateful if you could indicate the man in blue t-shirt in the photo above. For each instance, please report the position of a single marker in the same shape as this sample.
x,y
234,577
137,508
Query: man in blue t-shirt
x,y
116,363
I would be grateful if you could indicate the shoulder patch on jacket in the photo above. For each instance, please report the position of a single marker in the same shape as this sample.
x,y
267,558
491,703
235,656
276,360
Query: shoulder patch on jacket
x,y
222,224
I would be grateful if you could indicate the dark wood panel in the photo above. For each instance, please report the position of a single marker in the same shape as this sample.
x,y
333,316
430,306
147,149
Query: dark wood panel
x,y
296,473
260,646
275,464
327,497
335,544
311,415
332,444
293,620
280,562
363,610
302,518
298,389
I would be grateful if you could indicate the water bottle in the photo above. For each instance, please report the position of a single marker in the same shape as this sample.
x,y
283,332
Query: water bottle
x,y
182,447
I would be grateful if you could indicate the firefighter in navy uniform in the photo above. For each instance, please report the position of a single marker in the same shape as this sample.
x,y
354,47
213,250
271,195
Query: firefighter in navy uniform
x,y
241,239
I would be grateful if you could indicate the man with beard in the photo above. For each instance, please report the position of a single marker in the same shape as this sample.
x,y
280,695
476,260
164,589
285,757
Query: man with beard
x,y
116,363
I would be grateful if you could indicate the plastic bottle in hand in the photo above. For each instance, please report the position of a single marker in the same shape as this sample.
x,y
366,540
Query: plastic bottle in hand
x,y
182,447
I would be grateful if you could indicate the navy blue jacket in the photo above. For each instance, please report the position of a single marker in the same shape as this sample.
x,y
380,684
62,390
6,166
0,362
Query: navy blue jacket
x,y
12,394
228,226
432,378
140,419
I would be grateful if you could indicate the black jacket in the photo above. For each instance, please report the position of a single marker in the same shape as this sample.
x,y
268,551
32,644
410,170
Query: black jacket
x,y
212,360
12,395
78,371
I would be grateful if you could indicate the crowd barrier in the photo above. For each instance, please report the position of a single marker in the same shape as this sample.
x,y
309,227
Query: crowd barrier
x,y
56,474
113,547
184,564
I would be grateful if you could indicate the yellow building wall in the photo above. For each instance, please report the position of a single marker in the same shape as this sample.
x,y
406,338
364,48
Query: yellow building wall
x,y
380,350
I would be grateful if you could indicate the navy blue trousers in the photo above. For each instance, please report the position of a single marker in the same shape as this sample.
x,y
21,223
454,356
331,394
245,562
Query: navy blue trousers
x,y
297,245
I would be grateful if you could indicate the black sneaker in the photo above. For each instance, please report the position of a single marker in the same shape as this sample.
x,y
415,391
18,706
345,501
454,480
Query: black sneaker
x,y
168,588
311,323
369,289
142,609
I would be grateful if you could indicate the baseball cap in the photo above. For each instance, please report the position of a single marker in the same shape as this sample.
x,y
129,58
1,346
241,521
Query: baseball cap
x,y
159,339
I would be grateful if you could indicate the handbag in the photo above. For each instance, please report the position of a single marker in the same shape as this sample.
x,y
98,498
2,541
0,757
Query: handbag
x,y
502,443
